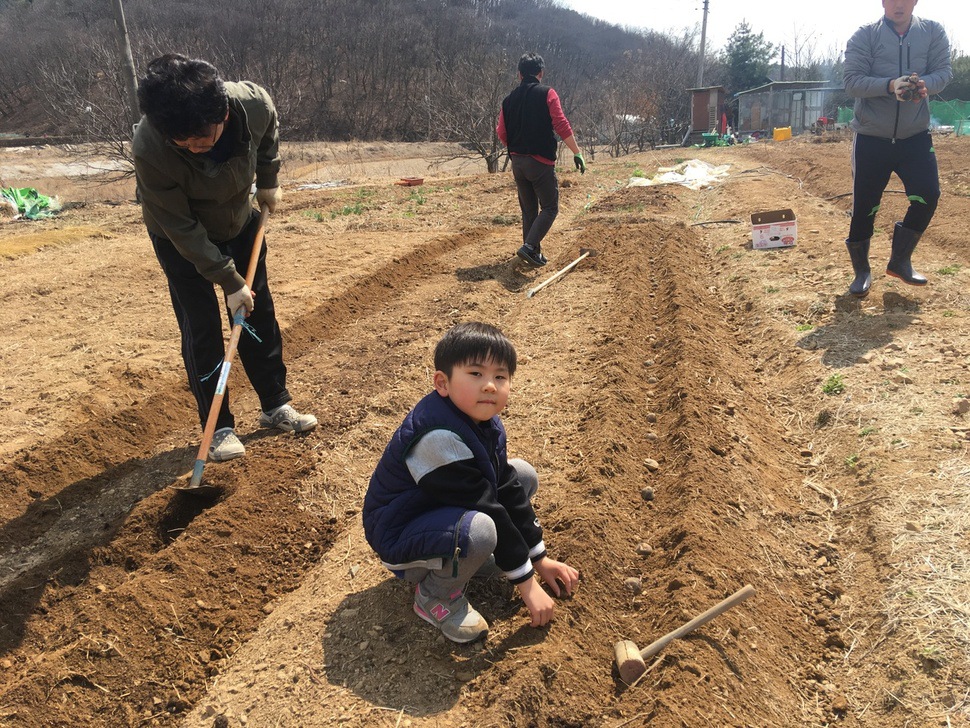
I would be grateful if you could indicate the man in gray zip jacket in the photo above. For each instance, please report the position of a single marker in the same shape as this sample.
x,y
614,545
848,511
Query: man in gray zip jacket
x,y
891,67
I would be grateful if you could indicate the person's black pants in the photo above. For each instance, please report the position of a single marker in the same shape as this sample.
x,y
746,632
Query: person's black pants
x,y
538,191
874,159
199,313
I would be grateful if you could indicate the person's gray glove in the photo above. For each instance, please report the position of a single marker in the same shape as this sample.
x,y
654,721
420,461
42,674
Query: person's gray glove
x,y
270,197
243,297
905,87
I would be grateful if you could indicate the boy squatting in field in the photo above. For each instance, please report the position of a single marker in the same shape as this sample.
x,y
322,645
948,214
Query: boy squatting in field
x,y
444,497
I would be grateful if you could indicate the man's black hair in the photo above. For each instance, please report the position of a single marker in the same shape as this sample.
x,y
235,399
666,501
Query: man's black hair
x,y
473,342
182,97
531,64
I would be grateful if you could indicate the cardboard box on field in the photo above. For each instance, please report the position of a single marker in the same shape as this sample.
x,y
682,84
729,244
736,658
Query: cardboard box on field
x,y
773,229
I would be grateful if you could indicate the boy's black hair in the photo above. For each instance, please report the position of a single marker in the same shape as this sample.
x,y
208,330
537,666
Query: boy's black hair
x,y
182,97
531,64
473,342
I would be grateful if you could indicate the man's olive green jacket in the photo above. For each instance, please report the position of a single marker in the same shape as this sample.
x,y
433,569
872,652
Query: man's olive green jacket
x,y
196,202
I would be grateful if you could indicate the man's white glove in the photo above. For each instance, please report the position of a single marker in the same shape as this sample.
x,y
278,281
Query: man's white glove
x,y
904,87
270,197
242,297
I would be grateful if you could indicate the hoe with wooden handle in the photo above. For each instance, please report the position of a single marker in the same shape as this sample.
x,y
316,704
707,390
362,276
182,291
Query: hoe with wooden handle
x,y
631,662
583,253
195,483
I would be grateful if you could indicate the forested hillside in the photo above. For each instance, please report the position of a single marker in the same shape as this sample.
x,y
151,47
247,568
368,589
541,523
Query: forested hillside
x,y
344,69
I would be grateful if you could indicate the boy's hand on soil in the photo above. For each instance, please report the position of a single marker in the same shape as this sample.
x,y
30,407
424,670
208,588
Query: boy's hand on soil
x,y
539,604
555,572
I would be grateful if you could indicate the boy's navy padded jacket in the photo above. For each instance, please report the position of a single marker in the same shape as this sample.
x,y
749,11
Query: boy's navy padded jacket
x,y
404,523
874,55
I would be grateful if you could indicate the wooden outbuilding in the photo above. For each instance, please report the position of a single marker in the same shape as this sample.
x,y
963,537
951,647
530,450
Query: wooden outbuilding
x,y
780,104
707,106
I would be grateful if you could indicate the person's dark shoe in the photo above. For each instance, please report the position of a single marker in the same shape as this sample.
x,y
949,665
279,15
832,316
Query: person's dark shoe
x,y
532,256
859,253
900,265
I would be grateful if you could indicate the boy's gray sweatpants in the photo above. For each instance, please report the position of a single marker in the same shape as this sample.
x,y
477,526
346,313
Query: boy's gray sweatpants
x,y
482,539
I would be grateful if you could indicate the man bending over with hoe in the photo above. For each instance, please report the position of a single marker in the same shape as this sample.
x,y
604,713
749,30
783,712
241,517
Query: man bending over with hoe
x,y
198,148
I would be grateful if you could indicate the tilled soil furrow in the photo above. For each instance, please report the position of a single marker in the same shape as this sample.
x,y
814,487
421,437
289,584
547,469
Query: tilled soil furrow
x,y
135,552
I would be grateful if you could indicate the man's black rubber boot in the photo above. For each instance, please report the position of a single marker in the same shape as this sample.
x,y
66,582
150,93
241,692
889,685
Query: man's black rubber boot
x,y
531,256
899,266
859,253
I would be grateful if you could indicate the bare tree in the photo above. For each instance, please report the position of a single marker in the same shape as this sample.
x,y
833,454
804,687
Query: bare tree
x,y
463,103
342,69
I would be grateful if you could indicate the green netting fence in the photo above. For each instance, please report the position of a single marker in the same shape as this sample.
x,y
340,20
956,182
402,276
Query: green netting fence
x,y
943,113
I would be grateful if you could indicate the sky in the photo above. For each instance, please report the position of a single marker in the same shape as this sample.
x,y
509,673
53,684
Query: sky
x,y
827,23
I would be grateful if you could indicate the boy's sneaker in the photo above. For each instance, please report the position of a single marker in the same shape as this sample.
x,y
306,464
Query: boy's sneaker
x,y
454,616
287,419
532,256
225,446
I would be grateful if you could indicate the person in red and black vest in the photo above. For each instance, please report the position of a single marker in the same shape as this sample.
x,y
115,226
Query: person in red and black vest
x,y
530,118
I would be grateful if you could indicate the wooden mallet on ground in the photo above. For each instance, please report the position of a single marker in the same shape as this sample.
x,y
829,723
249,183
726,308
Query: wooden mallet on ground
x,y
631,662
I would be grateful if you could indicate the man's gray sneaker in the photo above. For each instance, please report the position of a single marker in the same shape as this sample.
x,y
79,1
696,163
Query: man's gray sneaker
x,y
454,616
225,446
287,419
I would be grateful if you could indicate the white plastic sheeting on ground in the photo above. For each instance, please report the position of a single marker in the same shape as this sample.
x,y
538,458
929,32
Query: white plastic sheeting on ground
x,y
692,173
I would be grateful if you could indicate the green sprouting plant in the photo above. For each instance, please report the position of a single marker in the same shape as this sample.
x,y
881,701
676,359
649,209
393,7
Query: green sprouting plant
x,y
417,197
722,248
834,385
355,209
932,652
868,431
638,173
804,327
949,270
314,215
852,460
947,314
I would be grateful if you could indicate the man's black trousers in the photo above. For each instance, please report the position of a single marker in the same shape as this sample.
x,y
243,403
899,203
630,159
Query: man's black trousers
x,y
874,159
199,311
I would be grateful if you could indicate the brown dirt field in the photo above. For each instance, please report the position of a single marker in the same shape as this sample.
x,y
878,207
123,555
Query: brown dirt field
x,y
807,444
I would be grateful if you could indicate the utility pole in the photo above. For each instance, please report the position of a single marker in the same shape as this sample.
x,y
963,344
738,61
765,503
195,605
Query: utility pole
x,y
700,65
127,64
